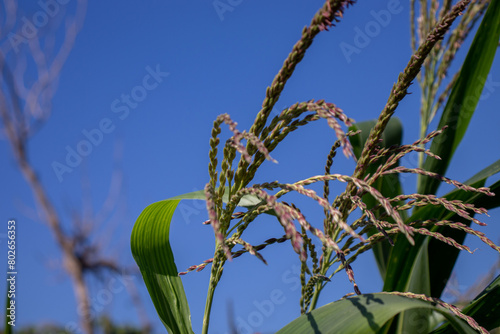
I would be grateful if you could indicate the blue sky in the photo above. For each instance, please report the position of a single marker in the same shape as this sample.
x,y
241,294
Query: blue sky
x,y
202,63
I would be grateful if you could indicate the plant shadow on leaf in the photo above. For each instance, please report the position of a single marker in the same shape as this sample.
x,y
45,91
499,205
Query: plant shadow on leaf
x,y
356,301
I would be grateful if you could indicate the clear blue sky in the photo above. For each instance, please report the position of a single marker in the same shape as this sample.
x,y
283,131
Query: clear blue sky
x,y
215,64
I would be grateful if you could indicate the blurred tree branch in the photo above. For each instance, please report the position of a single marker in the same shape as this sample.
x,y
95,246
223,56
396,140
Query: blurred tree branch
x,y
31,60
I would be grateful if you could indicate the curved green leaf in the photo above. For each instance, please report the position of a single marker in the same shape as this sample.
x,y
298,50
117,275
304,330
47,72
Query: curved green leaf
x,y
485,173
364,314
464,97
485,308
151,250
150,244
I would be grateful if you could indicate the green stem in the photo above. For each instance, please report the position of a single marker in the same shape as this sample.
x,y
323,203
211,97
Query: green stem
x,y
423,131
208,308
215,275
325,265
319,286
314,299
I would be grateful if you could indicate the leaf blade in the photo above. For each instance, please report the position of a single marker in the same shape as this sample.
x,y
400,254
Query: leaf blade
x,y
402,254
152,252
464,96
150,246
484,308
363,314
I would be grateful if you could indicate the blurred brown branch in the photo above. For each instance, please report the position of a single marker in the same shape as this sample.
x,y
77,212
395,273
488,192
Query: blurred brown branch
x,y
31,60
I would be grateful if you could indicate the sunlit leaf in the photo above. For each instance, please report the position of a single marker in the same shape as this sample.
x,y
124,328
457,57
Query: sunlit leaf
x,y
150,243
464,96
364,314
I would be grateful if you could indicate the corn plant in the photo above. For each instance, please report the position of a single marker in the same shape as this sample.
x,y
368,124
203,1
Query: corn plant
x,y
404,231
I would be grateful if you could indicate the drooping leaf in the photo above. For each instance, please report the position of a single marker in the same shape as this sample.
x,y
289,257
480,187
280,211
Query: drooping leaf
x,y
485,309
485,173
150,244
364,314
388,185
464,96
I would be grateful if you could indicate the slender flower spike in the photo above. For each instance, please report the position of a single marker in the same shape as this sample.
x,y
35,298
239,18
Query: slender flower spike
x,y
235,140
212,214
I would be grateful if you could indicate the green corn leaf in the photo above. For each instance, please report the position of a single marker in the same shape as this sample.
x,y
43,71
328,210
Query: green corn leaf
x,y
417,320
403,254
247,201
364,314
464,97
441,267
485,173
485,309
392,134
465,93
150,244
388,185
